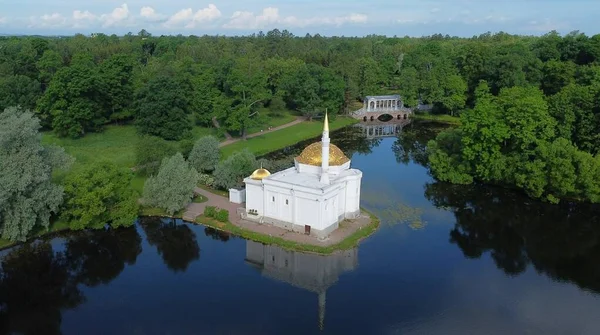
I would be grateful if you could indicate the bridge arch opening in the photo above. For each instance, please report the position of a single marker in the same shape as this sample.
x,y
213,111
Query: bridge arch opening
x,y
372,118
385,117
364,118
405,116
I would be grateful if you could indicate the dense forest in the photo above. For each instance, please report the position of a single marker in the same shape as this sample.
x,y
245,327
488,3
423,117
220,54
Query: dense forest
x,y
165,84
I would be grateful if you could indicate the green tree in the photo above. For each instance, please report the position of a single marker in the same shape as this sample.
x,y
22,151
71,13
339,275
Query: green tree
x,y
232,171
161,108
27,195
18,90
47,65
556,75
98,196
74,102
368,77
245,90
408,83
454,96
116,74
525,112
149,153
173,187
483,136
205,154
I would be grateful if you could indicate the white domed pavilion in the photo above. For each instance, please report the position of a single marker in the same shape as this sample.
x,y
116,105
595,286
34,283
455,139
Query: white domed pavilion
x,y
313,197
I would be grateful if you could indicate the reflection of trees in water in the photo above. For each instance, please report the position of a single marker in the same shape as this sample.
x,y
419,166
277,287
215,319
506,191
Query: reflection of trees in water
x,y
411,142
562,241
99,256
37,282
176,243
216,234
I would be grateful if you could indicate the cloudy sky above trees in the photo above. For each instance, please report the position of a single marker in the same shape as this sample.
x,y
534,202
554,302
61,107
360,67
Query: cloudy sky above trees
x,y
335,17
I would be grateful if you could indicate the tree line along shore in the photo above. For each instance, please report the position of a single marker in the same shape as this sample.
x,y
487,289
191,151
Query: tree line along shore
x,y
526,108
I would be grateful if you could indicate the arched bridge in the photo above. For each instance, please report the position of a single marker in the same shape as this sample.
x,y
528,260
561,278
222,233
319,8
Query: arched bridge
x,y
377,106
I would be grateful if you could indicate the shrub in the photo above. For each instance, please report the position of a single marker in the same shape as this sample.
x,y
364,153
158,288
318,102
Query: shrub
x,y
99,195
173,187
185,147
150,152
204,154
210,211
231,172
222,215
206,179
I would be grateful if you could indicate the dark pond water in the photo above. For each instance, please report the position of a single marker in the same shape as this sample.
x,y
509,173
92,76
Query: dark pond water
x,y
447,260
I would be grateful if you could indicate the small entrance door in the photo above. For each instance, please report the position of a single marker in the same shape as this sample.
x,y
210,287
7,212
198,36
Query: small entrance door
x,y
307,229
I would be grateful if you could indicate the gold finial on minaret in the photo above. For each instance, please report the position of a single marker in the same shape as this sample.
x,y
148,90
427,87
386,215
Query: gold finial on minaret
x,y
326,125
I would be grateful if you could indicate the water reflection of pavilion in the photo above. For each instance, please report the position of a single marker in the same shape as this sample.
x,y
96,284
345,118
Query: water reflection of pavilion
x,y
311,272
376,129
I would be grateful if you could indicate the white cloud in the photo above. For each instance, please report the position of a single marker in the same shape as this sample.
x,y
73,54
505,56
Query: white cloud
x,y
209,13
83,19
85,15
118,17
177,19
53,20
149,14
247,20
270,17
2,20
189,19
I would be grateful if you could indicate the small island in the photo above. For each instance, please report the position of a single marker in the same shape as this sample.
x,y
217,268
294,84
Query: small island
x,y
312,206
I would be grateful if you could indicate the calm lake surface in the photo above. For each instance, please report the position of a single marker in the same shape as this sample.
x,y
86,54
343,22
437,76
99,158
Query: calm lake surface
x,y
447,260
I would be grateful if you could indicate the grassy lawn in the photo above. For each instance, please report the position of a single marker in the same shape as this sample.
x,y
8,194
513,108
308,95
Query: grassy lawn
x,y
348,243
273,120
116,144
280,139
443,118
198,199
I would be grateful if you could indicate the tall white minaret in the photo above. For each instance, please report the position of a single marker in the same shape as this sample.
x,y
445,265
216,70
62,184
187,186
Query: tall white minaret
x,y
325,152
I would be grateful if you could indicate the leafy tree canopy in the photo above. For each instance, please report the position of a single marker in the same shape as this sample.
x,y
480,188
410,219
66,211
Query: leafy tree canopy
x,y
205,154
27,195
173,187
99,196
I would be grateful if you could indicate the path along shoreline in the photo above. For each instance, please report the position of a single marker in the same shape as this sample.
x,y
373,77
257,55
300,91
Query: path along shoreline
x,y
347,228
229,141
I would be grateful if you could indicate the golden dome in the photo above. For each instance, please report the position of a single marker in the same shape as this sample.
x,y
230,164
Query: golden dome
x,y
311,155
259,174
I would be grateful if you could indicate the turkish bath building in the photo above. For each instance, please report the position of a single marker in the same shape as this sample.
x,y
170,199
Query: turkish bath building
x,y
312,197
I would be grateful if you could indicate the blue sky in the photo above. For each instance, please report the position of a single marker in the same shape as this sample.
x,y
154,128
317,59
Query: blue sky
x,y
337,17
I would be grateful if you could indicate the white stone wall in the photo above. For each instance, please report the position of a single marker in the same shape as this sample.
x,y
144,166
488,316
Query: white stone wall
x,y
353,195
237,196
254,197
322,209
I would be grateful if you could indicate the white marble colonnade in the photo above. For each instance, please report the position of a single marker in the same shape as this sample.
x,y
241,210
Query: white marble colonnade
x,y
381,103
